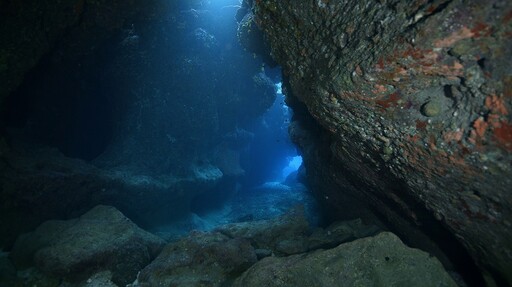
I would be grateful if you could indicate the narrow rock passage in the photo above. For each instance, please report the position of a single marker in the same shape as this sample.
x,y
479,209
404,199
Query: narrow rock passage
x,y
255,143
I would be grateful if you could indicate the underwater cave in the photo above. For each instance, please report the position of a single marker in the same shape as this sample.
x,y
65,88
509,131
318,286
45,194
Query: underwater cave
x,y
255,143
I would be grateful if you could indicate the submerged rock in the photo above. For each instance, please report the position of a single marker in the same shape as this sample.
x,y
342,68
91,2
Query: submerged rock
x,y
224,257
269,234
409,105
219,257
340,232
382,260
291,233
101,279
262,253
100,240
202,259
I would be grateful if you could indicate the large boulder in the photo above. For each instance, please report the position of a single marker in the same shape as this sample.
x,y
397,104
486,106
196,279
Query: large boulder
x,y
103,239
382,260
413,101
281,235
218,257
340,232
201,259
291,233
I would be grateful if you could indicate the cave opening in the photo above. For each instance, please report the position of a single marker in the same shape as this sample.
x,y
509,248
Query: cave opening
x,y
177,114
343,139
270,185
69,111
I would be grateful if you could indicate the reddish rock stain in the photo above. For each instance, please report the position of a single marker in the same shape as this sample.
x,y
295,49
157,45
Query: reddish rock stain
x,y
391,100
507,17
431,9
503,136
421,125
481,29
380,64
507,83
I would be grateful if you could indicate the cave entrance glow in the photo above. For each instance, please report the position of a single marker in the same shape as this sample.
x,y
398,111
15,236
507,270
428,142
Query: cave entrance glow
x,y
293,165
258,161
179,121
270,185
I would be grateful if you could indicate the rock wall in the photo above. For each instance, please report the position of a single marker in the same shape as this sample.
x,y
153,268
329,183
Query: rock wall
x,y
414,102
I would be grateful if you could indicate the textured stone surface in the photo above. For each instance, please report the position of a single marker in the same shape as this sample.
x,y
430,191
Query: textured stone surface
x,y
201,259
339,232
103,239
101,279
415,98
217,258
291,233
270,234
382,260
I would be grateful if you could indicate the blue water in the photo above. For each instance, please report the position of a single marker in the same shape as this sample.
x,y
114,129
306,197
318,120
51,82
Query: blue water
x,y
269,188
163,101
270,185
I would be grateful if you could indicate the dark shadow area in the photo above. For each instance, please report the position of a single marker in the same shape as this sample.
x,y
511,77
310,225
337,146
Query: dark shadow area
x,y
71,111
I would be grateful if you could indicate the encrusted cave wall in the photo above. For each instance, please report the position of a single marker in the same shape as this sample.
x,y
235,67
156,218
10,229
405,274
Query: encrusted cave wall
x,y
412,104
